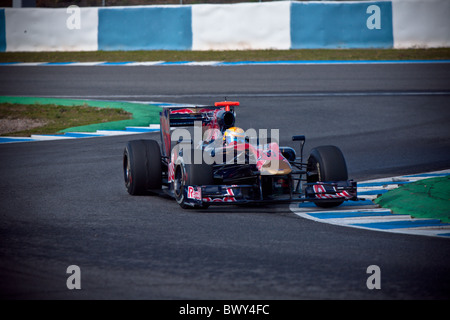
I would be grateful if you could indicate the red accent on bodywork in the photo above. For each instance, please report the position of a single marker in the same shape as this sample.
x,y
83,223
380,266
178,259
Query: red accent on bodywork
x,y
321,193
226,104
181,111
165,132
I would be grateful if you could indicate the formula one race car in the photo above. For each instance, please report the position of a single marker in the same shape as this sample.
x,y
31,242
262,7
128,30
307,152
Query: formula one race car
x,y
224,164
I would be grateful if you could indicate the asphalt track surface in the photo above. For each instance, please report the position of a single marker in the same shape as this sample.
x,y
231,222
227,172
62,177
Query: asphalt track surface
x,y
64,202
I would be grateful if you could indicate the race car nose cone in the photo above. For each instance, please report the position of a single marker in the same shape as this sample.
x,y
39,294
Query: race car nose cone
x,y
275,167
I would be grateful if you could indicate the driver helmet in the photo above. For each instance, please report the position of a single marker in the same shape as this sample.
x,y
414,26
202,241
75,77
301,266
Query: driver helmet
x,y
234,134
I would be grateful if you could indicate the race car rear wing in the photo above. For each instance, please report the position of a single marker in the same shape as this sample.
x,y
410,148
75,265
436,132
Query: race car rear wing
x,y
221,112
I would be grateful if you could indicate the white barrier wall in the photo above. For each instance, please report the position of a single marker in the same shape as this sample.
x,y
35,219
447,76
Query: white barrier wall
x,y
421,24
278,25
65,29
244,26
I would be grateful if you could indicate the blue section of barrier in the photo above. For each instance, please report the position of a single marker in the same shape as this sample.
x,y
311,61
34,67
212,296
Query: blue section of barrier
x,y
341,25
156,28
2,31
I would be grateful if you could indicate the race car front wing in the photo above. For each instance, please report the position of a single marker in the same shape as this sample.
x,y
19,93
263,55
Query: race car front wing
x,y
241,194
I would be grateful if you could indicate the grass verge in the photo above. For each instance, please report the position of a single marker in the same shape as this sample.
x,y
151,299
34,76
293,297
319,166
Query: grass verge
x,y
130,114
27,119
428,198
234,55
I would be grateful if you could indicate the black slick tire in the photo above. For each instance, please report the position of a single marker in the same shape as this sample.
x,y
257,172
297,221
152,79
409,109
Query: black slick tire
x,y
327,163
142,166
191,175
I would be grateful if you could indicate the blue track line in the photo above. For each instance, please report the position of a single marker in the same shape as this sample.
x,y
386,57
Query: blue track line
x,y
403,224
351,214
226,63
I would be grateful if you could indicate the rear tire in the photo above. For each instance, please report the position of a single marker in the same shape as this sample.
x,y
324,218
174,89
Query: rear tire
x,y
142,166
327,163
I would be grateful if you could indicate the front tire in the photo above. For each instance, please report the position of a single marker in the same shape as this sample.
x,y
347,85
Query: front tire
x,y
327,163
191,175
142,166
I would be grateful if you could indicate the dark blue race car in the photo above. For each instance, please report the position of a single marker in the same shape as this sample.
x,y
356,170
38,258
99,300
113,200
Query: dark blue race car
x,y
204,159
